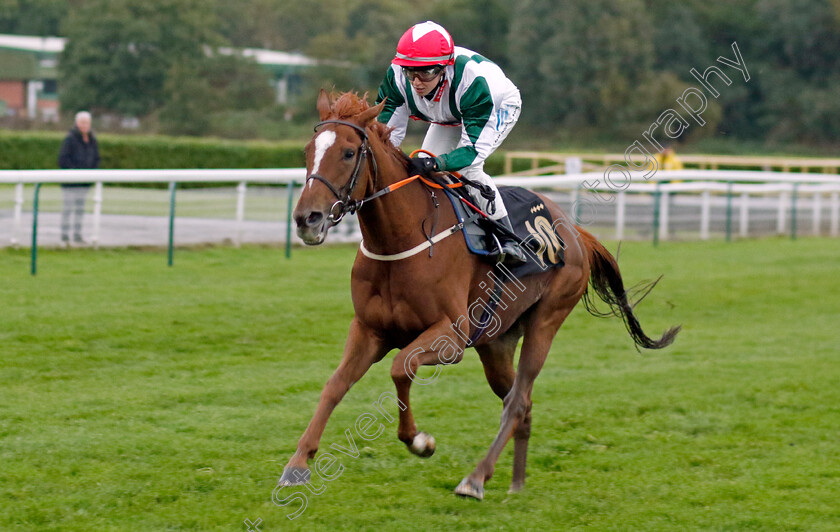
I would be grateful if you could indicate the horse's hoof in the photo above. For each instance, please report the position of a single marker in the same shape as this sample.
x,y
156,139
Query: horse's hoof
x,y
294,476
423,445
515,488
468,488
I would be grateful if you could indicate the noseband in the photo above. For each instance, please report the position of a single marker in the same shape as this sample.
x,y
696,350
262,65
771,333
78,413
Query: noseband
x,y
344,203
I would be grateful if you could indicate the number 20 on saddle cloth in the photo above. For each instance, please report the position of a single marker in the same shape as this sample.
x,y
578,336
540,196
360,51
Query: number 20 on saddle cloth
x,y
532,223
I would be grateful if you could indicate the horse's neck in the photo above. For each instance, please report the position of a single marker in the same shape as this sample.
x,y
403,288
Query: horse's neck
x,y
394,222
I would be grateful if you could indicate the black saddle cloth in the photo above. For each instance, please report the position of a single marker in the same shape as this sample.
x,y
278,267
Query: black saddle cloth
x,y
532,223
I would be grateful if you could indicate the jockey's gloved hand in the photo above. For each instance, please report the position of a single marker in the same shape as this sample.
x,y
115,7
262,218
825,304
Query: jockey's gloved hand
x,y
422,166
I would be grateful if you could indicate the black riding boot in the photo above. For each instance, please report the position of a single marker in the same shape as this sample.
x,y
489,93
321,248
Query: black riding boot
x,y
511,249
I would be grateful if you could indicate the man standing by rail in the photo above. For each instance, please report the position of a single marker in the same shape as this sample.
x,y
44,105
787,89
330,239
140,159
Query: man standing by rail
x,y
78,151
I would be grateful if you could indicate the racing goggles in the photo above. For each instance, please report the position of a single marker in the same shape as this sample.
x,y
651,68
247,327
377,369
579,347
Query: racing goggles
x,y
424,74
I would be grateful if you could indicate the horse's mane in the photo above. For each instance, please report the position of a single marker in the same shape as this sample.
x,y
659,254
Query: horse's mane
x,y
349,104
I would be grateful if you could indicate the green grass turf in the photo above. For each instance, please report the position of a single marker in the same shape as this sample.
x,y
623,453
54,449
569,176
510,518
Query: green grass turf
x,y
141,397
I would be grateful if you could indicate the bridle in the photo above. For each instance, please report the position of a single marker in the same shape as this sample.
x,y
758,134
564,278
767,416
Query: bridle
x,y
344,201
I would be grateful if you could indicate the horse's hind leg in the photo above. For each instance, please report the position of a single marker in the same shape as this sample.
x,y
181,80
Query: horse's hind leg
x,y
521,434
497,359
516,415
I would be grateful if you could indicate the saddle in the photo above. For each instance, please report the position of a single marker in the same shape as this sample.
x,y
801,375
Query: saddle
x,y
532,223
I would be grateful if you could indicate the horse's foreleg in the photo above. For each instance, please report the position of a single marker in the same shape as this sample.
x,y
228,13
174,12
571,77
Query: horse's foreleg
x,y
437,345
363,348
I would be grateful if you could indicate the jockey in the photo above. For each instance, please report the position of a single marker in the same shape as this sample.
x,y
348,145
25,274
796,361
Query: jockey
x,y
471,107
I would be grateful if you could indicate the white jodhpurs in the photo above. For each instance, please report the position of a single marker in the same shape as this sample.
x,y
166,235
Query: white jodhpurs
x,y
442,139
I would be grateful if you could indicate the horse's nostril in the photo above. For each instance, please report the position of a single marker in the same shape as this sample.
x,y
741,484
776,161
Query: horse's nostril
x,y
314,218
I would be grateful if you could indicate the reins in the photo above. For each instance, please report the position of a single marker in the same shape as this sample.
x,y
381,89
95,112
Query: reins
x,y
346,204
404,182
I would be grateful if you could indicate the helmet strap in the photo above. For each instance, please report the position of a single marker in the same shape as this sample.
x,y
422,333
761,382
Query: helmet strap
x,y
433,94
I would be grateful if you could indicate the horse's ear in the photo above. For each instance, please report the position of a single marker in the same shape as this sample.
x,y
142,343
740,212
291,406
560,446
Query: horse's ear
x,y
366,116
324,104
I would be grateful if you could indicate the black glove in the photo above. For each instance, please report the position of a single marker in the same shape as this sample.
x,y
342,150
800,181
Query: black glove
x,y
422,166
486,192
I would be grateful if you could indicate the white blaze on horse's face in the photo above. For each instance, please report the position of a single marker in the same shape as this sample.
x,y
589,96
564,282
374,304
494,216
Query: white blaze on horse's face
x,y
323,142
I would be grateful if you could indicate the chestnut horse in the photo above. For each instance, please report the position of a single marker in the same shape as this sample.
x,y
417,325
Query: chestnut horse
x,y
419,302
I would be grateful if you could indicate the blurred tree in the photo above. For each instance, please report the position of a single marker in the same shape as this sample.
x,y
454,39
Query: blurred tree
x,y
196,90
725,22
480,25
659,93
287,25
680,42
32,17
374,27
581,63
252,23
799,80
240,82
190,100
119,52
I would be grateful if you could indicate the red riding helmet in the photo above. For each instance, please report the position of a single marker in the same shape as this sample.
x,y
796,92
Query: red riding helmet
x,y
425,44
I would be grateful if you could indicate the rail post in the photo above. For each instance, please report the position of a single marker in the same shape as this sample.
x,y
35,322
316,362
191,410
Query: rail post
x,y
34,265
97,213
729,211
656,195
744,220
18,216
783,205
240,210
793,199
620,214
705,211
171,248
664,200
817,213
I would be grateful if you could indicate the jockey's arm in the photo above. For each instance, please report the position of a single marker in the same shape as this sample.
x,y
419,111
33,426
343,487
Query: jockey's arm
x,y
476,114
395,112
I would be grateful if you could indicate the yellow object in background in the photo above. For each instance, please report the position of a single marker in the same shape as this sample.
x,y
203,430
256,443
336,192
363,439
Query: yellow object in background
x,y
667,160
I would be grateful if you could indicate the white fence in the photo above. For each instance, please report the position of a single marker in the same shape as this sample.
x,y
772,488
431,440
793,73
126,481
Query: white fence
x,y
792,195
213,224
681,204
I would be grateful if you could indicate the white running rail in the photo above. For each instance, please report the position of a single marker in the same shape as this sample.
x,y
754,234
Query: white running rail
x,y
739,187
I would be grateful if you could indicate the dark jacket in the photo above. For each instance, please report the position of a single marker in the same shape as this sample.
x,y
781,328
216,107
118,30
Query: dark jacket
x,y
75,153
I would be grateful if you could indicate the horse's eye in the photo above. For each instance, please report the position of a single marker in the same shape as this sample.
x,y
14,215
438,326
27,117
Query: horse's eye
x,y
348,154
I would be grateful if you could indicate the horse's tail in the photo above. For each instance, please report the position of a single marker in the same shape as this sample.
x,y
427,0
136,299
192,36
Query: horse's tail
x,y
605,279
